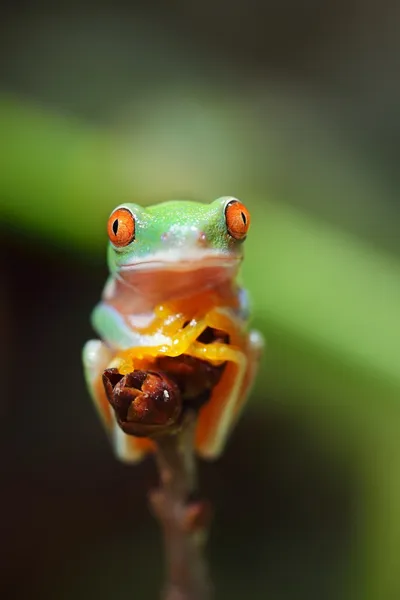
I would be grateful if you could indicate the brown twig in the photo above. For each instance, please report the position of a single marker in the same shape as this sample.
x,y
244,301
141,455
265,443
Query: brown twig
x,y
150,404
183,518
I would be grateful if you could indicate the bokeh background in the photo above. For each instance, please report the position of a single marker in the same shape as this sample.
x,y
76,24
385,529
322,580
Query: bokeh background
x,y
294,108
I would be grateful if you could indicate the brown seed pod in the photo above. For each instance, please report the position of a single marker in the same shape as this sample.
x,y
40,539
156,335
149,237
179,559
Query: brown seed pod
x,y
196,378
146,403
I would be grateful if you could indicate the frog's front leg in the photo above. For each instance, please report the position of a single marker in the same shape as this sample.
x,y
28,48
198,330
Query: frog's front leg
x,y
244,304
119,332
113,327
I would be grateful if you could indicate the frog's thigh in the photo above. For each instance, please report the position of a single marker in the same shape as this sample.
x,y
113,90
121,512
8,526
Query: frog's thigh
x,y
218,417
96,358
255,349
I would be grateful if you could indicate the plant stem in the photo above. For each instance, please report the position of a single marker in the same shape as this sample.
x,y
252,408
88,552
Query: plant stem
x,y
183,518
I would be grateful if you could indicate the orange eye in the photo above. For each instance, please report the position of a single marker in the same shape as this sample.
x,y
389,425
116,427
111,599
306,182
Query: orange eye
x,y
237,219
121,227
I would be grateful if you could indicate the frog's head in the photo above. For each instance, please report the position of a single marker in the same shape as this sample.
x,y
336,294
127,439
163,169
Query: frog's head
x,y
195,244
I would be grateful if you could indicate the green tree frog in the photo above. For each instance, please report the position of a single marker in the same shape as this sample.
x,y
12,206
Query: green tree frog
x,y
173,277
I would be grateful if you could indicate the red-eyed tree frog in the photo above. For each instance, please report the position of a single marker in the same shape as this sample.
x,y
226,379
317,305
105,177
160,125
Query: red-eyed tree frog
x,y
173,275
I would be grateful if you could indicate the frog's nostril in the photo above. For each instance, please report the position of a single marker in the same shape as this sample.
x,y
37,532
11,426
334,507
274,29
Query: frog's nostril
x,y
184,237
202,239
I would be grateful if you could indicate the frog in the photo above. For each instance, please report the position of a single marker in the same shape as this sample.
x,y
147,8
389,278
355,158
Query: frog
x,y
175,273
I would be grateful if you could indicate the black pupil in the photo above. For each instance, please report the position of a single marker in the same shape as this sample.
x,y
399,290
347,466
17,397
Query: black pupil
x,y
244,218
115,227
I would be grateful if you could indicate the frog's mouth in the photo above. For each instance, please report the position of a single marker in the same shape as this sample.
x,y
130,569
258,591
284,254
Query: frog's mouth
x,y
195,263
161,277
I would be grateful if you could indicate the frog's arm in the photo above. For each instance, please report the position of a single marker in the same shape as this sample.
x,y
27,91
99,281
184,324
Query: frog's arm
x,y
244,304
113,328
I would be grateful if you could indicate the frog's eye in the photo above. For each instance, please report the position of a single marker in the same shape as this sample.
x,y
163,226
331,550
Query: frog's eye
x,y
237,219
121,227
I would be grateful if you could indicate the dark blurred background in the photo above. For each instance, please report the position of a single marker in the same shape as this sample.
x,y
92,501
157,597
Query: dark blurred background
x,y
294,108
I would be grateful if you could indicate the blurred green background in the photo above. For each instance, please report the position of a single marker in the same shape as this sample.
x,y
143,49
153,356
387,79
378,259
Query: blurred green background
x,y
294,108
